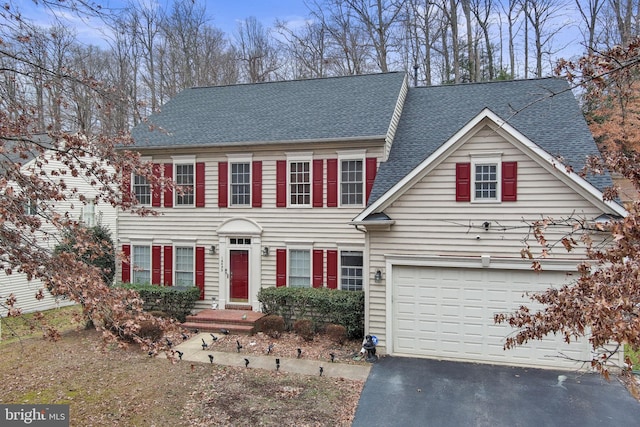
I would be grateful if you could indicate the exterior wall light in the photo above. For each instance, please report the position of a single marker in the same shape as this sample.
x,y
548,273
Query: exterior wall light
x,y
265,251
378,276
212,250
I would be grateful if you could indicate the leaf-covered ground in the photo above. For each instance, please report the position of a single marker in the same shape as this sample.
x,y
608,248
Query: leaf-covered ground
x,y
107,387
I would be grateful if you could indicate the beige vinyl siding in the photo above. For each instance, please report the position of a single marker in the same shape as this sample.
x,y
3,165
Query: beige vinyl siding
x,y
429,221
320,228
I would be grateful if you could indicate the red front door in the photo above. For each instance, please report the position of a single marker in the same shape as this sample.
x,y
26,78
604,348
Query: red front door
x,y
239,260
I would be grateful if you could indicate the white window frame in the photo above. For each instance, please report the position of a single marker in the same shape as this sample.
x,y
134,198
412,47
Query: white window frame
x,y
175,264
307,249
134,270
299,158
234,160
361,268
183,161
146,185
359,155
89,213
486,159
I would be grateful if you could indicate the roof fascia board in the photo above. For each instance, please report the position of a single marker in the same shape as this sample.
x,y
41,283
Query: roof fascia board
x,y
462,136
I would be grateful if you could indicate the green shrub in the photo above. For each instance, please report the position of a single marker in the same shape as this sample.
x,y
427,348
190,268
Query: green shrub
x,y
271,325
320,305
304,328
336,333
174,301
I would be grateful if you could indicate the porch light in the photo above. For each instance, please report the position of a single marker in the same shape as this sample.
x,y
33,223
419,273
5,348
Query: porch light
x,y
486,225
212,250
265,251
378,276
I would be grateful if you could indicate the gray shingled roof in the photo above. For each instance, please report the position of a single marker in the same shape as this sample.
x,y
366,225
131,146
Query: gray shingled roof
x,y
544,110
331,108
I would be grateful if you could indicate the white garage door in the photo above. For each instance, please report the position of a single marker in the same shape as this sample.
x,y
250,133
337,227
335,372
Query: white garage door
x,y
447,313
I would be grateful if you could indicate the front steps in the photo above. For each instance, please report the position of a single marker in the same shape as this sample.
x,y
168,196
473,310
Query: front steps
x,y
235,320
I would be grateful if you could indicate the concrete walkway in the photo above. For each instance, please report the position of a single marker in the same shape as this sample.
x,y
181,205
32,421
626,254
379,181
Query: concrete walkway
x,y
192,352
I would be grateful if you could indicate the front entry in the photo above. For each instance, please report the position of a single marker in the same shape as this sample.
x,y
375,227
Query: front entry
x,y
239,266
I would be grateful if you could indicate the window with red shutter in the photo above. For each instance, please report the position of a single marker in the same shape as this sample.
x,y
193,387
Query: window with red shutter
x,y
372,170
509,181
463,182
318,183
281,183
332,269
155,192
256,184
318,270
126,266
168,191
200,171
156,269
200,270
281,267
223,188
332,183
168,266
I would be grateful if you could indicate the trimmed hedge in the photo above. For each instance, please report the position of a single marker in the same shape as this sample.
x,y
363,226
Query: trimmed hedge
x,y
175,301
320,305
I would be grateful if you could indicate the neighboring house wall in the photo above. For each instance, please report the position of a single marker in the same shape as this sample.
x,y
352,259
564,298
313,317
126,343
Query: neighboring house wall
x,y
431,224
314,228
17,283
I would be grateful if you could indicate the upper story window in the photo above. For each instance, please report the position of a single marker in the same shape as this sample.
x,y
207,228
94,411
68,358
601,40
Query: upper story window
x,y
31,207
351,182
142,189
89,213
241,184
351,270
300,183
185,179
141,262
486,181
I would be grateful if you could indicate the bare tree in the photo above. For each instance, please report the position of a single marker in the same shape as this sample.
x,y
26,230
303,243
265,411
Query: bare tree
x,y
626,19
589,13
307,48
540,13
256,52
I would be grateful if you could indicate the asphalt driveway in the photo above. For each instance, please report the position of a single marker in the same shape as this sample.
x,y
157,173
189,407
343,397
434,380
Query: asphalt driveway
x,y
421,392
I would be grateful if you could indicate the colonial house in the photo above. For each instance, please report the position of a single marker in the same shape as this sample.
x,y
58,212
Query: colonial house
x,y
422,197
89,212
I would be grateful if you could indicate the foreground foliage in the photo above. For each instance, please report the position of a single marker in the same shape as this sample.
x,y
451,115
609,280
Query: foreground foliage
x,y
604,303
173,301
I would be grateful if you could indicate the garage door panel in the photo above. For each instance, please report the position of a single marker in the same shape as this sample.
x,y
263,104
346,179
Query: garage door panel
x,y
448,313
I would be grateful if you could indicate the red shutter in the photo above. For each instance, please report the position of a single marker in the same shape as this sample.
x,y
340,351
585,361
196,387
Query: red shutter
x,y
168,265
126,266
200,270
155,192
463,182
509,181
318,184
200,185
372,169
281,183
318,271
332,269
223,187
256,184
281,267
156,270
332,183
126,186
168,191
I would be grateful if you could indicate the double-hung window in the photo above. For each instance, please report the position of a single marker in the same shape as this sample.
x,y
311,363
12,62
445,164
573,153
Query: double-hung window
x,y
351,182
299,183
141,261
486,181
184,271
89,213
185,180
241,184
300,268
351,270
31,207
142,190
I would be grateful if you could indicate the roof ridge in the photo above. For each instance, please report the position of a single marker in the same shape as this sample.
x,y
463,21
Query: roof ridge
x,y
492,82
350,76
